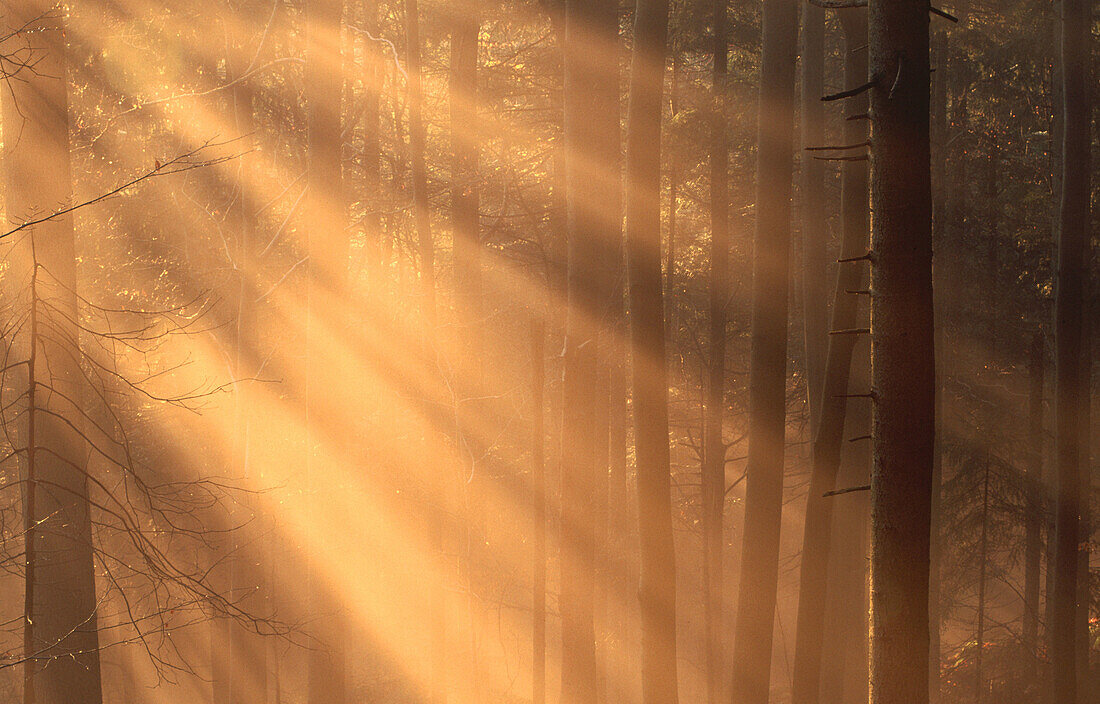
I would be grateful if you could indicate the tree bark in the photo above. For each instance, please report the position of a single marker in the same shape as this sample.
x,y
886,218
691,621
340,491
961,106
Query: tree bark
x,y
829,438
591,117
61,639
657,585
768,363
903,354
714,454
815,310
328,248
538,518
941,283
1033,515
1070,277
843,666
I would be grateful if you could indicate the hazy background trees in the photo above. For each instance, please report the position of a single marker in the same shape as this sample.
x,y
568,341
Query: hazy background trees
x,y
413,337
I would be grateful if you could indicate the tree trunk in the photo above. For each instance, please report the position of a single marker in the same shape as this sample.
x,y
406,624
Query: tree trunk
x,y
245,663
328,249
767,367
941,282
815,310
1070,276
657,585
843,666
903,354
1033,506
591,115
538,518
829,438
61,640
470,382
983,560
673,192
1082,635
372,148
714,453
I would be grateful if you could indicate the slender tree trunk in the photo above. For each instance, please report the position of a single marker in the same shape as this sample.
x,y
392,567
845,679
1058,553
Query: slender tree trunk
x,y
465,201
1050,486
247,661
844,662
983,560
60,624
829,438
767,367
815,310
538,518
328,249
1033,507
903,354
1082,636
673,192
591,119
941,281
714,453
657,586
372,148
1070,277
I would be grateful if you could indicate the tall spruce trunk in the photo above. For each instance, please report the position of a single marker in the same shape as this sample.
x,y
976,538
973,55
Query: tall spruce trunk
x,y
815,310
61,639
941,282
591,120
1082,637
843,667
1033,515
714,454
657,584
752,651
829,439
1070,395
903,354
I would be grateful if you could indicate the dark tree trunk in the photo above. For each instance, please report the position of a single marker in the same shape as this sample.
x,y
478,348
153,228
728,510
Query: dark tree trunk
x,y
768,364
1033,508
61,639
983,561
903,368
941,226
657,584
815,309
1084,582
829,438
1070,386
714,453
843,663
